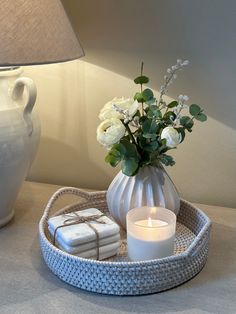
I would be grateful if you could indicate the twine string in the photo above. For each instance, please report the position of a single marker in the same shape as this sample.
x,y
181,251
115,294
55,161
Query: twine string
x,y
74,219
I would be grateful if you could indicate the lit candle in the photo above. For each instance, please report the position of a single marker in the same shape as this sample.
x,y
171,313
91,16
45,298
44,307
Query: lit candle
x,y
150,233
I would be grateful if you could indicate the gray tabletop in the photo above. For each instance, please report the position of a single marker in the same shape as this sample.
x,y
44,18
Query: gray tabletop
x,y
28,286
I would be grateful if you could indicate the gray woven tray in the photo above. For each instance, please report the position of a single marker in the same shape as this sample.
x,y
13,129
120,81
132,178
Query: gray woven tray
x,y
117,275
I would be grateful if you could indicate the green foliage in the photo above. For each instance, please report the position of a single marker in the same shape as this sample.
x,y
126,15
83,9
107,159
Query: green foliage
x,y
201,117
169,117
141,80
153,112
166,160
115,154
187,123
139,97
173,104
148,144
147,94
194,110
197,113
129,166
149,127
182,132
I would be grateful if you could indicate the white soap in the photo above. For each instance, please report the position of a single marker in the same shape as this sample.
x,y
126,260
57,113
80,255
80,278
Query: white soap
x,y
87,246
104,251
81,233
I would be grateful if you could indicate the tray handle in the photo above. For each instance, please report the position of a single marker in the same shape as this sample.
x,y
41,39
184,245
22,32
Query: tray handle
x,y
194,249
71,191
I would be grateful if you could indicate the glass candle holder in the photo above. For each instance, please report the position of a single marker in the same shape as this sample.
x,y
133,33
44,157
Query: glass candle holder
x,y
150,233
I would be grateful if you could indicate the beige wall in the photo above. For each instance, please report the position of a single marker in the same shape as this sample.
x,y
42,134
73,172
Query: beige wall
x,y
117,36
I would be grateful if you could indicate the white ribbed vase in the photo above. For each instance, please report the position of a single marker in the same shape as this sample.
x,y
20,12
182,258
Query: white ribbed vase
x,y
150,187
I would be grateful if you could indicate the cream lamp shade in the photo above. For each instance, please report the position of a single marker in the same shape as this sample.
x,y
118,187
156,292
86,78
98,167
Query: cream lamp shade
x,y
36,32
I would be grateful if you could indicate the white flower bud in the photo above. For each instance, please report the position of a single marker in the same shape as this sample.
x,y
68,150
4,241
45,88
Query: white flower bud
x,y
173,138
185,98
185,62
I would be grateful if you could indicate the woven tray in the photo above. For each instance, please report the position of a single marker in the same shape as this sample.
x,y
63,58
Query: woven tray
x,y
117,275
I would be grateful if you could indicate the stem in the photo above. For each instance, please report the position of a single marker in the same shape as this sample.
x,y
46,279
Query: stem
x,y
166,110
141,85
142,68
129,132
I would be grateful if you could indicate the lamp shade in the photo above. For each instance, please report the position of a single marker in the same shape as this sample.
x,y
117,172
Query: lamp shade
x,y
36,32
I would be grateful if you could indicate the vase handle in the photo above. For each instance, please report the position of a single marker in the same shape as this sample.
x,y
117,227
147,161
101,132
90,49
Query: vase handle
x,y
17,92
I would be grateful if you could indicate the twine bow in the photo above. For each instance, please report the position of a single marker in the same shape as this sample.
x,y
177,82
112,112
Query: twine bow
x,y
74,219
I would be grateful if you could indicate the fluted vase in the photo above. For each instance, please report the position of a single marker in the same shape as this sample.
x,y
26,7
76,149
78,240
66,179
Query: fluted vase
x,y
152,186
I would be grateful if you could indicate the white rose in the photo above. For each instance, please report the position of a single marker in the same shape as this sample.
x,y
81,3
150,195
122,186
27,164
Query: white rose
x,y
108,111
173,138
110,131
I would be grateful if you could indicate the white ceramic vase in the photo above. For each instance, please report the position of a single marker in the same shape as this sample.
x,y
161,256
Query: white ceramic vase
x,y
150,187
19,136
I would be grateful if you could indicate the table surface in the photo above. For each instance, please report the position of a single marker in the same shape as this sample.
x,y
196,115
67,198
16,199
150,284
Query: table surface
x,y
28,286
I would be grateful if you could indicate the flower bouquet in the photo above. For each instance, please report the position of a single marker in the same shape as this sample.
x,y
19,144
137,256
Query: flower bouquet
x,y
139,132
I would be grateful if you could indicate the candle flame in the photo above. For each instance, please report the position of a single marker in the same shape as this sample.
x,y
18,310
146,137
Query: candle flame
x,y
149,222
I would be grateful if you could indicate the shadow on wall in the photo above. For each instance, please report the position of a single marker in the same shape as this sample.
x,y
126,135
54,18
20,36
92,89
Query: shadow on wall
x,y
118,35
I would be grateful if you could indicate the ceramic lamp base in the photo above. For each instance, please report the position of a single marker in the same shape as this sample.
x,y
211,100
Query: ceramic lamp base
x,y
7,219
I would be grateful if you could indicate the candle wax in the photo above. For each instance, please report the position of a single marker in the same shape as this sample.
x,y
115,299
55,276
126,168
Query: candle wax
x,y
151,223
141,250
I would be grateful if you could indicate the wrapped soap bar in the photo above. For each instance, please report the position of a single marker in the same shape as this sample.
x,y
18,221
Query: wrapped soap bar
x,y
86,233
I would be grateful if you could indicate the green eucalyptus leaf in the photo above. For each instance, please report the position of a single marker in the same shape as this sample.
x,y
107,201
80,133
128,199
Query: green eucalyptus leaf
x,y
162,146
150,101
130,150
169,116
142,120
153,112
201,117
167,160
148,146
150,135
141,80
151,146
113,157
139,97
149,126
186,122
129,166
173,104
147,94
119,148
182,132
194,110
